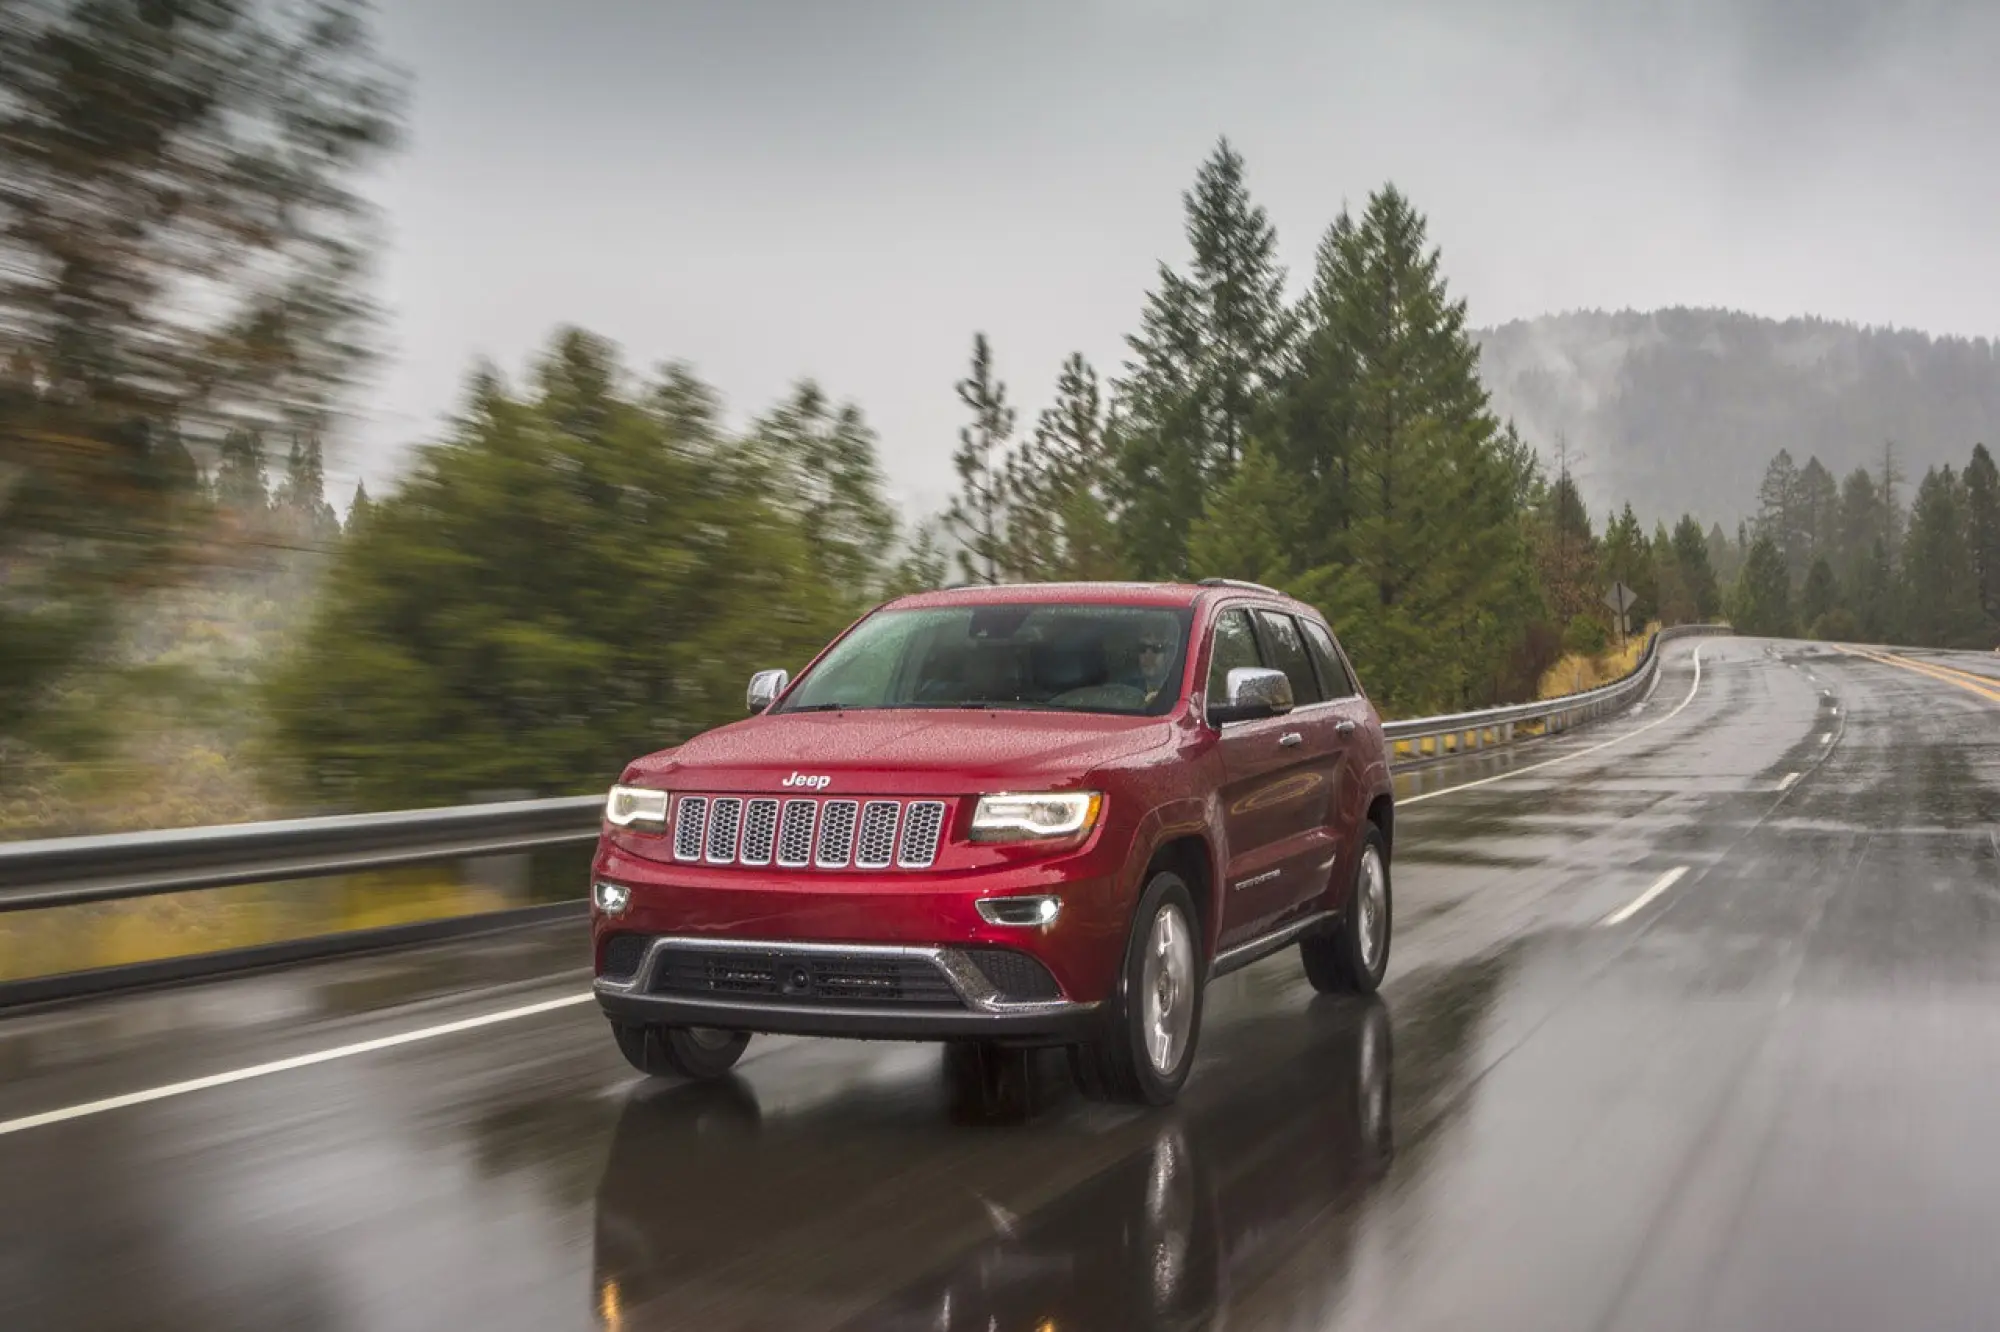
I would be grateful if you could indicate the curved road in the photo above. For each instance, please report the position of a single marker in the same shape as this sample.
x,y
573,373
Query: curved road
x,y
1692,1024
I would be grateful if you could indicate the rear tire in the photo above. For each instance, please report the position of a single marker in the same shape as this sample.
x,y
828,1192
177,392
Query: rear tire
x,y
700,1053
1146,1045
1353,957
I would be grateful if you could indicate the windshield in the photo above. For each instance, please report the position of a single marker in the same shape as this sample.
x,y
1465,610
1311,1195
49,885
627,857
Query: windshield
x,y
1119,659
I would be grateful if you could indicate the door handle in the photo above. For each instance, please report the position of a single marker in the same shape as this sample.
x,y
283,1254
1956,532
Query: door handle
x,y
1345,728
1291,739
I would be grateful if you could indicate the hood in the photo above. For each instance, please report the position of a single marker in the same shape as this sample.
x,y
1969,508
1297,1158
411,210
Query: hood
x,y
896,751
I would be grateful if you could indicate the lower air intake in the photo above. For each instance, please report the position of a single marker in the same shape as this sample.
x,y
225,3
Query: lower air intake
x,y
1016,976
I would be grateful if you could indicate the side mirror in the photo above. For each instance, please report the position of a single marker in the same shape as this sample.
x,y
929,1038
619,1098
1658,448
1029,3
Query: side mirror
x,y
1252,692
765,686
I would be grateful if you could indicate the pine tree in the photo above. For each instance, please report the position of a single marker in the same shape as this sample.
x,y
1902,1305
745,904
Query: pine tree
x,y
1208,355
1676,604
1982,503
1413,489
1059,486
1860,529
359,508
1761,603
240,482
301,495
1566,554
1874,603
977,517
1627,558
1249,527
1236,263
1819,597
1780,511
825,474
922,565
1890,477
1033,541
1721,555
687,407
1818,514
1940,591
1691,555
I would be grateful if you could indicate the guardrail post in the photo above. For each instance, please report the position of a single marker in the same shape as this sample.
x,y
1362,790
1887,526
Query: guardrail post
x,y
504,875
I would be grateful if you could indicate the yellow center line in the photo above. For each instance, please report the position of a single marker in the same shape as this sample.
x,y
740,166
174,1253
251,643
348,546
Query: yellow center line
x,y
1983,681
1986,688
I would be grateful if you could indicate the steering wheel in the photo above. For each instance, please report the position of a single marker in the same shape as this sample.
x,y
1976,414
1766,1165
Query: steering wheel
x,y
1116,697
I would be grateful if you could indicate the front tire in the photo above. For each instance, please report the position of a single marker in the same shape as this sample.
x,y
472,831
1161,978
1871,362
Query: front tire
x,y
1353,957
1146,1046
698,1053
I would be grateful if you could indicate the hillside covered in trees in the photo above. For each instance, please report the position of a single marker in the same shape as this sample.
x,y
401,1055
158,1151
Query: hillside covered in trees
x,y
1868,557
1679,410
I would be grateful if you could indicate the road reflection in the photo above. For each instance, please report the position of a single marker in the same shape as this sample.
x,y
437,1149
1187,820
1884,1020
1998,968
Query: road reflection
x,y
709,1212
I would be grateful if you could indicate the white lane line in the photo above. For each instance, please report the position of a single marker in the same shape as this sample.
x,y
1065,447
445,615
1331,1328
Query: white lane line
x,y
173,1089
1638,904
1565,758
1786,785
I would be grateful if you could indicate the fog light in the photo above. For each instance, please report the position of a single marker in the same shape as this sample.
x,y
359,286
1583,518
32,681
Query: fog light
x,y
612,898
1040,910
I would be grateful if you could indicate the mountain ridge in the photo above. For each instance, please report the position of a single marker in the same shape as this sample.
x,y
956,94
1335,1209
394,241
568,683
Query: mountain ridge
x,y
1679,409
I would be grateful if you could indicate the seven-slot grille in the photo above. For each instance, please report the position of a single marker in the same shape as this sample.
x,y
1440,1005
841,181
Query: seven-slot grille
x,y
794,834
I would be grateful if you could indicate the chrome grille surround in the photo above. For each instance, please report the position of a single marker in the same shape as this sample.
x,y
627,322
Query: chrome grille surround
x,y
877,845
725,823
760,832
836,834
923,826
690,826
795,834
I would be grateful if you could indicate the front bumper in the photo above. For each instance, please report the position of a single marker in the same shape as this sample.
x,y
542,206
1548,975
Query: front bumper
x,y
959,1002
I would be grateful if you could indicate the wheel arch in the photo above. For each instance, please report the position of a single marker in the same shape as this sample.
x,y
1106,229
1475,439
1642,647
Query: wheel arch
x,y
1190,856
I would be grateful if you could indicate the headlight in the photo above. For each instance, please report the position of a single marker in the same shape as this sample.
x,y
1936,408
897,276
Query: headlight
x,y
636,807
1024,818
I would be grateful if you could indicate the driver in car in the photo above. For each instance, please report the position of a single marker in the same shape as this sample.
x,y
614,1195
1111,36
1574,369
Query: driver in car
x,y
1153,655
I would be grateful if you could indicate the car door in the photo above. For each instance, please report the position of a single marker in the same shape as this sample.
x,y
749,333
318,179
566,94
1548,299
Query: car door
x,y
1342,716
1267,791
1317,746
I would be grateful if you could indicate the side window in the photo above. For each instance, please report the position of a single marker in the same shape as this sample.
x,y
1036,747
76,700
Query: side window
x,y
1332,672
1235,646
1288,651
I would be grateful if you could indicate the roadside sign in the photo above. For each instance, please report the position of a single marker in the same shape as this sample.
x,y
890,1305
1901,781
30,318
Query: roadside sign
x,y
1620,599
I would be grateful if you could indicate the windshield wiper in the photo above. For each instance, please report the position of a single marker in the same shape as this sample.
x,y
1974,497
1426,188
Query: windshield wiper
x,y
819,707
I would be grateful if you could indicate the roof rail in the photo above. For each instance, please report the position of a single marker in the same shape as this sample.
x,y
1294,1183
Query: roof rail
x,y
1242,583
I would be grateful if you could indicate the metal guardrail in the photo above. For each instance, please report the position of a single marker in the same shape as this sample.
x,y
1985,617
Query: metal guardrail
x,y
74,870
67,871
1461,731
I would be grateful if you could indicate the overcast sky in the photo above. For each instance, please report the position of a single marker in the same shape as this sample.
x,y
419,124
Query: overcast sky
x,y
847,189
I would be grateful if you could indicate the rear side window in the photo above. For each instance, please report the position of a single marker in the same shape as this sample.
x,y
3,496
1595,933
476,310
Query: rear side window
x,y
1235,646
1332,672
1288,654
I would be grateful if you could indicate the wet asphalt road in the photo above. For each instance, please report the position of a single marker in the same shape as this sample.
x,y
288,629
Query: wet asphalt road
x,y
1764,1099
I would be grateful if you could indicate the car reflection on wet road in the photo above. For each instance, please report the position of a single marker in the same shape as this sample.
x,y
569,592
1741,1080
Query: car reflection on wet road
x,y
1694,1030
1153,1240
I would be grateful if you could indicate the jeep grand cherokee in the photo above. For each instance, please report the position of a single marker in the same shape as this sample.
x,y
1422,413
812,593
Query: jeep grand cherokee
x,y
1032,815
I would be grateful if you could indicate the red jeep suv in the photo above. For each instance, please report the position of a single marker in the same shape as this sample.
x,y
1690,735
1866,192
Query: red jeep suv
x,y
1031,815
